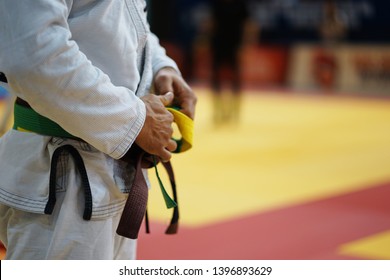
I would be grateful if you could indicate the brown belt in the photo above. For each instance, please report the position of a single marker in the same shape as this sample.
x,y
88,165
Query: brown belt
x,y
135,207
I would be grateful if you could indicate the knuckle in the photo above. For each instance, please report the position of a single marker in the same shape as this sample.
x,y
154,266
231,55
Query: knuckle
x,y
163,78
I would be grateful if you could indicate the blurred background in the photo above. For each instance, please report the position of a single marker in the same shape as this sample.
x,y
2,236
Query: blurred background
x,y
296,44
291,156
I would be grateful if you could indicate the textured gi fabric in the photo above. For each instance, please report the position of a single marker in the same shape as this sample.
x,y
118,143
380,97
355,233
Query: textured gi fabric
x,y
84,64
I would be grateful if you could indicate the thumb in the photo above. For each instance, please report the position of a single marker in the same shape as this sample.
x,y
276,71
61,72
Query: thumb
x,y
167,98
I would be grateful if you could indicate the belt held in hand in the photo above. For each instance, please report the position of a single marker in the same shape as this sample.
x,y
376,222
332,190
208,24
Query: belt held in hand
x,y
28,120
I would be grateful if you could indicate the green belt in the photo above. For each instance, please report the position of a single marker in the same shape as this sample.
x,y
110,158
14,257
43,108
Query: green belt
x,y
27,120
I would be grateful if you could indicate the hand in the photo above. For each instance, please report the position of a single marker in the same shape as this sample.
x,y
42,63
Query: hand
x,y
168,80
155,136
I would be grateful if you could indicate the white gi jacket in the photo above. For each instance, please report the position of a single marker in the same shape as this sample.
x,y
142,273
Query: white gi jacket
x,y
83,64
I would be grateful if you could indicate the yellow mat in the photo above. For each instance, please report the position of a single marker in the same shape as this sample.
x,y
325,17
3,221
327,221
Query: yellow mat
x,y
371,247
287,149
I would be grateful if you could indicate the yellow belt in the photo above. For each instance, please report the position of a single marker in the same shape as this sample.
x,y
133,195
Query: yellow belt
x,y
186,128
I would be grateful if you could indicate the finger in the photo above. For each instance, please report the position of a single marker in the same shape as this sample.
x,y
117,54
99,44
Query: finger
x,y
163,90
172,145
188,108
163,84
165,155
167,98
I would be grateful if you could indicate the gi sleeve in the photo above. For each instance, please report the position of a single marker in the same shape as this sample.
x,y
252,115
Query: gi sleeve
x,y
45,67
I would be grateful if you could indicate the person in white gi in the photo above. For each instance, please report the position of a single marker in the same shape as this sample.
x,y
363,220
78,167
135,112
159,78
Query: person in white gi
x,y
89,66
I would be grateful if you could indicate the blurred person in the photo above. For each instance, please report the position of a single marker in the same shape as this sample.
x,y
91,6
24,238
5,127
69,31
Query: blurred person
x,y
176,23
332,29
190,16
228,23
186,32
84,69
